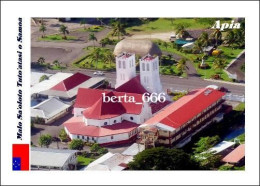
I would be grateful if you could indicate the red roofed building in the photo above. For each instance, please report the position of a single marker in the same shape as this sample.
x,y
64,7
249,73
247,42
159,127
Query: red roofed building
x,y
67,89
236,157
180,120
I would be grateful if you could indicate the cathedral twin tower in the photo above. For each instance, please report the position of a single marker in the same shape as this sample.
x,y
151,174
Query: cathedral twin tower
x,y
149,71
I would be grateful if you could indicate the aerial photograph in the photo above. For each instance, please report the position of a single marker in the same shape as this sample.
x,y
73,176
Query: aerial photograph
x,y
144,93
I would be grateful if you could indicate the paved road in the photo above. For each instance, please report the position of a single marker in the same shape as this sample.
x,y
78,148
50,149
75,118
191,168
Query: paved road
x,y
169,81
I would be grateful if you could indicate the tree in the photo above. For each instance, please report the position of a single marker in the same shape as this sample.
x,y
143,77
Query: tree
x,y
205,143
118,29
64,30
181,65
180,30
217,35
204,38
230,38
207,160
76,144
95,147
96,55
93,38
43,77
56,63
41,60
161,158
219,63
42,29
198,46
165,44
45,140
109,57
101,21
63,135
83,22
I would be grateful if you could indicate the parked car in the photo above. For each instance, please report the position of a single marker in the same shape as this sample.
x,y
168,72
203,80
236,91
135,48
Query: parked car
x,y
98,73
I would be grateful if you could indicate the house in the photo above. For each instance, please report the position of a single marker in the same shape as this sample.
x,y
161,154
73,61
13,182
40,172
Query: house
x,y
67,89
176,123
53,159
222,148
116,161
49,111
47,84
110,162
236,157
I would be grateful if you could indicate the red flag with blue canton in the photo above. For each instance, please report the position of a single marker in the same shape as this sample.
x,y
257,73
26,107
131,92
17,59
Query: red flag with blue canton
x,y
20,157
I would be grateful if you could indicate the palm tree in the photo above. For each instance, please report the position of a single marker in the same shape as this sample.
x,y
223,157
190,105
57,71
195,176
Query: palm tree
x,y
180,30
118,29
41,60
217,35
198,46
93,38
230,38
96,55
181,65
42,29
204,38
64,30
56,63
83,22
109,57
219,63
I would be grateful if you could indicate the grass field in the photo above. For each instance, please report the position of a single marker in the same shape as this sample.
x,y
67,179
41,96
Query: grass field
x,y
84,161
57,37
85,62
168,24
240,107
94,28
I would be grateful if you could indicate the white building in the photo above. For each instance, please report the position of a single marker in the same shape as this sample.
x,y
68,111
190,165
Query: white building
x,y
149,72
49,111
125,65
53,159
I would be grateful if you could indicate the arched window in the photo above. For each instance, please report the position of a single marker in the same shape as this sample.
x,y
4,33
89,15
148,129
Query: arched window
x,y
147,66
114,121
123,64
112,137
105,123
131,118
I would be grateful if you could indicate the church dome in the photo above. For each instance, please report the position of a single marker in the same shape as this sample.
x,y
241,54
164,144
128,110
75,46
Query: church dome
x,y
140,47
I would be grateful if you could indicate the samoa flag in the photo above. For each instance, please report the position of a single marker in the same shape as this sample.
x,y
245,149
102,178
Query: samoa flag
x,y
20,157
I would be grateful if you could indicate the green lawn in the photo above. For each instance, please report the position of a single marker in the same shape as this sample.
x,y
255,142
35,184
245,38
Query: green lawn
x,y
57,37
84,62
168,24
240,107
94,28
54,67
84,161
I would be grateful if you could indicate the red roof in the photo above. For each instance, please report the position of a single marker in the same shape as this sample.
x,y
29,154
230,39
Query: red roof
x,y
132,86
87,97
187,107
236,155
76,126
71,82
104,110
